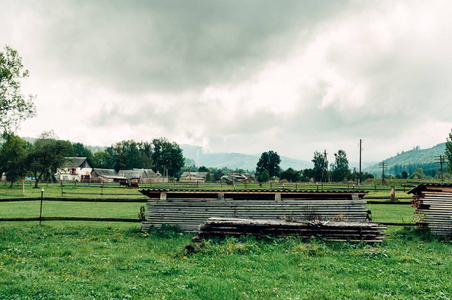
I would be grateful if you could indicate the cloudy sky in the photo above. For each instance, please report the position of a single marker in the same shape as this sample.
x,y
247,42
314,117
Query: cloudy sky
x,y
238,76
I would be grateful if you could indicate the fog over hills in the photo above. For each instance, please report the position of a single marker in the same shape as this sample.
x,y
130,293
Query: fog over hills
x,y
236,160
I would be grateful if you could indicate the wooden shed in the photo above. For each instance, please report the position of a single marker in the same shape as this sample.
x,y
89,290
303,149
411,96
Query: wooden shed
x,y
433,204
189,208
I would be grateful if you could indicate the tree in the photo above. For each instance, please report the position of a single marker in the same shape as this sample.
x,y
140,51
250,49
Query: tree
x,y
167,157
14,107
103,160
449,152
264,176
418,174
128,155
13,155
47,155
340,170
320,170
203,169
269,161
291,175
81,151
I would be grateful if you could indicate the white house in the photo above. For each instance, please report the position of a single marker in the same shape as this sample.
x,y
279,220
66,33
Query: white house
x,y
75,169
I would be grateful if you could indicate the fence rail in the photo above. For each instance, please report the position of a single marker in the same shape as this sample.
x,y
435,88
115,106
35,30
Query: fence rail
x,y
70,219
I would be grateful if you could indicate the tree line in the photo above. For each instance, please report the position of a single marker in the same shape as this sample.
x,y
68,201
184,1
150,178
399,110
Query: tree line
x,y
42,158
268,168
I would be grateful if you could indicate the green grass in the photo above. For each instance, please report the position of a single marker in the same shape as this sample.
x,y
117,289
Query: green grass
x,y
103,260
393,213
62,262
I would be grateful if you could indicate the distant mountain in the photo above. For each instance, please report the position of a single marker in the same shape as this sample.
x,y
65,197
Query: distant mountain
x,y
410,161
235,160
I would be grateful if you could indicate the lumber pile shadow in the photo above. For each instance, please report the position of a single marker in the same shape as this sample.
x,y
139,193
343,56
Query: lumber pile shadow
x,y
331,231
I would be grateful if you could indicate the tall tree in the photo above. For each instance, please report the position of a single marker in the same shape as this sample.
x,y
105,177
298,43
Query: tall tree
x,y
14,107
167,156
340,170
103,160
13,153
291,175
449,152
81,150
47,155
119,156
320,170
269,161
128,155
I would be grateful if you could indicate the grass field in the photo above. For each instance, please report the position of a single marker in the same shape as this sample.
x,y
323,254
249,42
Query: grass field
x,y
103,260
65,262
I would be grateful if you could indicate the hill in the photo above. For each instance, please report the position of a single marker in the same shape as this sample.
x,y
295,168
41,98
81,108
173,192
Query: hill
x,y
235,160
411,160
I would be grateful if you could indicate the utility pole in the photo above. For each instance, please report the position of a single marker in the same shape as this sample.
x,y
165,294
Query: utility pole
x,y
325,164
360,151
441,159
382,166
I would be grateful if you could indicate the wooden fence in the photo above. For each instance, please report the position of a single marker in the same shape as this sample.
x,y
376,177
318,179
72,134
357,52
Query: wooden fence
x,y
41,218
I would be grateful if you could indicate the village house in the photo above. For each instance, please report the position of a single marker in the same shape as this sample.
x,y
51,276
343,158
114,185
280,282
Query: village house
x,y
106,175
75,169
193,177
142,175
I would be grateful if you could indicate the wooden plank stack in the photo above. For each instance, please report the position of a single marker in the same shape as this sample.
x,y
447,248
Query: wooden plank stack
x,y
189,209
331,231
434,202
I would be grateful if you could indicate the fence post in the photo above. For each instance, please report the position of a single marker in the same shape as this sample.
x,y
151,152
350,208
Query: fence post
x,y
40,210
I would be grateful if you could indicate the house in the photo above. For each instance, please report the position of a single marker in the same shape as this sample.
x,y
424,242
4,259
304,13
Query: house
x,y
106,175
193,177
142,175
75,169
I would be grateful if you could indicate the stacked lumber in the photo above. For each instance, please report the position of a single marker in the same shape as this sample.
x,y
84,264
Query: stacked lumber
x,y
434,203
189,210
331,231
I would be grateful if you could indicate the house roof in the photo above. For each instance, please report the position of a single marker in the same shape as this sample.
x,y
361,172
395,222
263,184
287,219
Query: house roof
x,y
107,173
139,173
194,174
76,162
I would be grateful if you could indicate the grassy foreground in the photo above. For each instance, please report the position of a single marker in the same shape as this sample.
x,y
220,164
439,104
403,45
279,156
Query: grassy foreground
x,y
65,262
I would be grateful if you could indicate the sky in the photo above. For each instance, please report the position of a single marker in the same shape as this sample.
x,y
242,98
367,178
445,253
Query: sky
x,y
250,76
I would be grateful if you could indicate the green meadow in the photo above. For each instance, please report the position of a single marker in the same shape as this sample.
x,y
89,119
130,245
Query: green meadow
x,y
115,260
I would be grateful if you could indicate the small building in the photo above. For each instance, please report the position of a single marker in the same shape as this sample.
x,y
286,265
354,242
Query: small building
x,y
193,177
142,175
75,169
106,175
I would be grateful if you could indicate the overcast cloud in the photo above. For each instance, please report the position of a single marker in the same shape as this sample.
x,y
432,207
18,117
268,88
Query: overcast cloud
x,y
238,76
